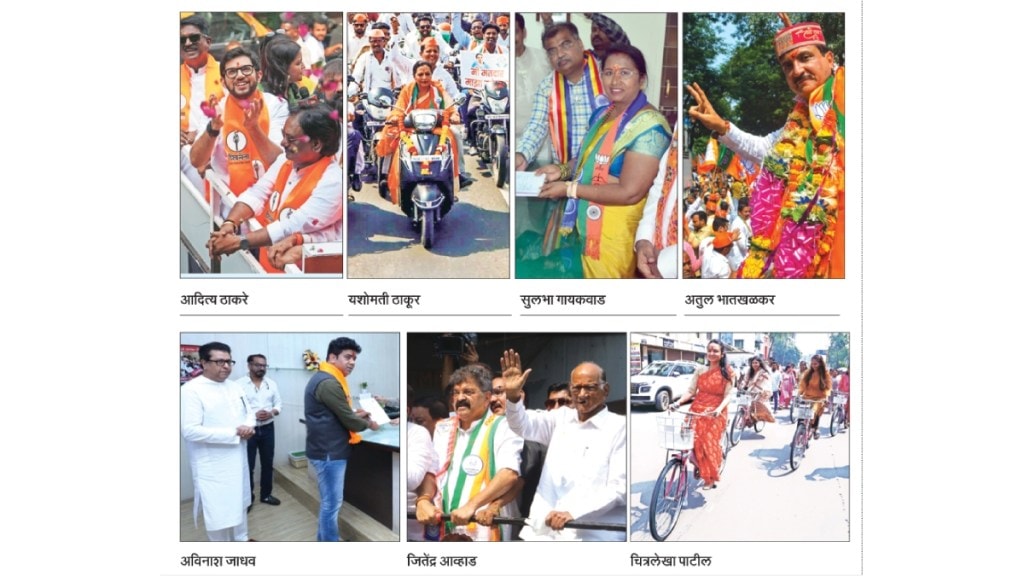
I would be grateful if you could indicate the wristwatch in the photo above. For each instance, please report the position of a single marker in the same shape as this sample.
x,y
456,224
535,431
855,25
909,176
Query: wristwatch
x,y
209,129
244,244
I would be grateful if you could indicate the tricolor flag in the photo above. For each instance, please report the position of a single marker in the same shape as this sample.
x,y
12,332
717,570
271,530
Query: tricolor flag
x,y
710,158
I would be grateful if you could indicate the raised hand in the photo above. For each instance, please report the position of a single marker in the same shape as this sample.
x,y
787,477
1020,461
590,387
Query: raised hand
x,y
704,112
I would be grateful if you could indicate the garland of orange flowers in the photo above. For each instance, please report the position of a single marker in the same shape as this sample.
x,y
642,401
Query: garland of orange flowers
x,y
795,200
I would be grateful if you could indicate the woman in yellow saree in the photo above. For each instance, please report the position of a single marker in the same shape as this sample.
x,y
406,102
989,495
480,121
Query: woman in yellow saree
x,y
601,199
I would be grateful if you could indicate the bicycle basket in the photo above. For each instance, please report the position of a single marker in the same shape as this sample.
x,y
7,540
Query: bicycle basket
x,y
839,399
802,410
675,432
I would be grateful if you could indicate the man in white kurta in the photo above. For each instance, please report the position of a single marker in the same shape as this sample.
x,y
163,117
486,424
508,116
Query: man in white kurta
x,y
584,475
422,461
216,421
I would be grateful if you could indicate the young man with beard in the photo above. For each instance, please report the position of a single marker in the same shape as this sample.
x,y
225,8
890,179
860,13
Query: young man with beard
x,y
479,461
584,475
239,141
314,41
262,394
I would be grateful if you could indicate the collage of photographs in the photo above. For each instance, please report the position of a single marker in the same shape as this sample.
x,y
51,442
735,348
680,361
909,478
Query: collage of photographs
x,y
345,154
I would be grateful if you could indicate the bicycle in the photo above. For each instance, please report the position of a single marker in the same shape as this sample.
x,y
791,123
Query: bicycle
x,y
744,416
671,490
840,418
803,412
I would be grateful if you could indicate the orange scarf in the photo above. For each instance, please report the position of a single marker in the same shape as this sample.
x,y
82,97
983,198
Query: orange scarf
x,y
241,152
668,184
213,87
353,437
296,198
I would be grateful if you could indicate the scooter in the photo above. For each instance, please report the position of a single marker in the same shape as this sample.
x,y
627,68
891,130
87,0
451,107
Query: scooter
x,y
427,172
377,104
491,129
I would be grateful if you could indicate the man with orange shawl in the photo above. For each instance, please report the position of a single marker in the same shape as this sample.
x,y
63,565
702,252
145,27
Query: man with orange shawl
x,y
797,201
332,426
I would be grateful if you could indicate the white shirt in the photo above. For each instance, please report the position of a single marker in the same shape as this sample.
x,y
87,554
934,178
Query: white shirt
x,y
507,447
584,471
422,460
755,148
370,73
713,264
211,413
319,216
315,48
356,44
266,397
197,121
742,243
412,44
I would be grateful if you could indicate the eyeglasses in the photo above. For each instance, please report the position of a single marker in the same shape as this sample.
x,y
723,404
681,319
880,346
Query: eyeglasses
x,y
552,402
223,363
588,388
193,38
563,47
246,70
623,73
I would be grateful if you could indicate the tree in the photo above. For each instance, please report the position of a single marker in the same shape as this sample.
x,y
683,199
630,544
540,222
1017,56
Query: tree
x,y
783,348
839,348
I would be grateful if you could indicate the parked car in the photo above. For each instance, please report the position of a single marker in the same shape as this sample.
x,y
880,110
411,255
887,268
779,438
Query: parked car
x,y
661,382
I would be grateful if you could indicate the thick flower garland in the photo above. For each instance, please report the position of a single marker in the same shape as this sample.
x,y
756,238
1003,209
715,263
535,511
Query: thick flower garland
x,y
795,199
311,361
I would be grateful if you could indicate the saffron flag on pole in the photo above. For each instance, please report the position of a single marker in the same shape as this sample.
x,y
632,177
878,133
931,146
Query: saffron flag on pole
x,y
710,158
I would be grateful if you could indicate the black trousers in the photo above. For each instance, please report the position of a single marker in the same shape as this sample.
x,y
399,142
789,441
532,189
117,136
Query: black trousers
x,y
262,441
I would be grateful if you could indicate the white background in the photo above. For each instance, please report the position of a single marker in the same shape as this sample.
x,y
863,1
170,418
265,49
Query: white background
x,y
93,321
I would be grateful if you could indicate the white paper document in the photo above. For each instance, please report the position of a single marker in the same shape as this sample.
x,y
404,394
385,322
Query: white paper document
x,y
528,184
370,404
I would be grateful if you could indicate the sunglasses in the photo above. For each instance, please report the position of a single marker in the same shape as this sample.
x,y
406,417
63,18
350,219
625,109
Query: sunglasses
x,y
191,38
557,402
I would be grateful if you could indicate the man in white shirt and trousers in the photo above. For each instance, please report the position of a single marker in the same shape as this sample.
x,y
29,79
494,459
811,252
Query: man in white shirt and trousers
x,y
584,475
216,422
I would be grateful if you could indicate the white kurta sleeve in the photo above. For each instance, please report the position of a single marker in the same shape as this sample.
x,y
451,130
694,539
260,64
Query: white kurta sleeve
x,y
193,428
508,448
422,457
748,146
531,425
258,194
648,222
319,212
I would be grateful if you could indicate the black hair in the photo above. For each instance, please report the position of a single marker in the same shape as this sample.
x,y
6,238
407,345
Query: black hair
x,y
277,57
315,120
339,345
321,19
520,21
205,349
434,405
253,357
197,21
237,52
701,214
478,373
631,52
743,203
551,31
557,386
490,26
421,63
720,224
723,364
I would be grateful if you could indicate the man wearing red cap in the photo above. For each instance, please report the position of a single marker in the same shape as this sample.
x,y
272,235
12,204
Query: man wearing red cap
x,y
797,201
502,22
715,262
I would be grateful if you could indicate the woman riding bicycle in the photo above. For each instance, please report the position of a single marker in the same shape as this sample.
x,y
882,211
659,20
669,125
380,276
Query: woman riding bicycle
x,y
759,380
815,384
710,393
